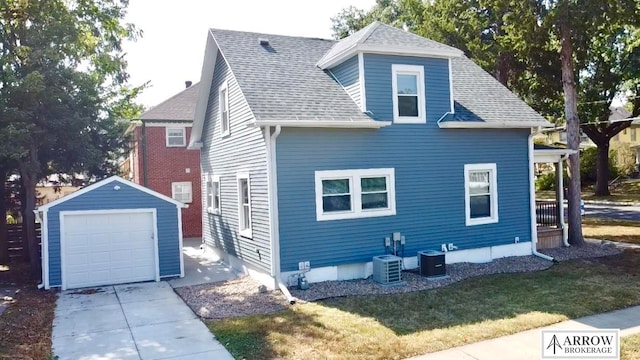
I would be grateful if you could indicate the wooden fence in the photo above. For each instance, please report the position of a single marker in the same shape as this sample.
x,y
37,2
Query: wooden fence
x,y
16,239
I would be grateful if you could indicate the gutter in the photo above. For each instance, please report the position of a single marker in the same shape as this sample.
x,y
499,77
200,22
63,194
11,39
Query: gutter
x,y
272,183
532,202
565,234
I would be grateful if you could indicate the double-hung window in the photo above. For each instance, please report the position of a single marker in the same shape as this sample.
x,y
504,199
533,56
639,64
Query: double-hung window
x,y
481,194
176,137
213,194
358,193
408,94
223,101
244,205
182,191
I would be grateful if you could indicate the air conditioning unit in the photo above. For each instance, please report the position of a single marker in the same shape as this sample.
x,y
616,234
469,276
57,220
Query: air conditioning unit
x,y
387,269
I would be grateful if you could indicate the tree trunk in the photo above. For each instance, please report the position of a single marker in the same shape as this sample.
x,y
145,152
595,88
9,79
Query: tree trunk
x,y
602,174
25,243
4,243
29,176
573,132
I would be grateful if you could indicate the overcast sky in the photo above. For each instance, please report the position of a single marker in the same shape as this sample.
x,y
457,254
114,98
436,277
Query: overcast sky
x,y
172,47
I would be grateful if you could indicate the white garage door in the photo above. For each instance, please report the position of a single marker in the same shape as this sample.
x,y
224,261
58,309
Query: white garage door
x,y
108,248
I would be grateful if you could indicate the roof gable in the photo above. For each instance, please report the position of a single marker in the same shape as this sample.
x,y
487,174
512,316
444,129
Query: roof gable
x,y
104,182
384,39
181,106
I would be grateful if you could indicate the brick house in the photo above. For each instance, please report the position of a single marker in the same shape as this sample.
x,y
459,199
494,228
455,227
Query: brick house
x,y
159,157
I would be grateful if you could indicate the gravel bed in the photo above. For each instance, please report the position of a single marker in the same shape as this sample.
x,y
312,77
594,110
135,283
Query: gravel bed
x,y
242,296
232,298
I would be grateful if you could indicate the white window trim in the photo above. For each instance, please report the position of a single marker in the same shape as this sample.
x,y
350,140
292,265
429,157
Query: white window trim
x,y
224,87
214,179
411,69
248,233
354,176
184,136
181,183
493,193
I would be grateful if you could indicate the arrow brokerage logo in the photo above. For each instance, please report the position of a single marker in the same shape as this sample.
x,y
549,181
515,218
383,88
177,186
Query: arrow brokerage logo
x,y
580,344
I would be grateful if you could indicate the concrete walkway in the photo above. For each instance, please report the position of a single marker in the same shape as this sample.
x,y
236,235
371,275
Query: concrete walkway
x,y
201,266
526,345
135,321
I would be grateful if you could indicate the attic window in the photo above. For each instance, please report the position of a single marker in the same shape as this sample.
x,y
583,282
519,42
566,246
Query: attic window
x,y
408,94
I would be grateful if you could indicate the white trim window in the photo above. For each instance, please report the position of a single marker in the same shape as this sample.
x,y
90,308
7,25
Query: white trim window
x,y
481,194
358,193
182,191
408,94
244,205
223,101
176,137
213,194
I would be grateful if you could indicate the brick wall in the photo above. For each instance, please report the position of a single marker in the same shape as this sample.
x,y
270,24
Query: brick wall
x,y
166,165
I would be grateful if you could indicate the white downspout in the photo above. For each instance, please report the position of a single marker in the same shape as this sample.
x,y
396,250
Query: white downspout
x,y
565,234
42,240
532,203
272,176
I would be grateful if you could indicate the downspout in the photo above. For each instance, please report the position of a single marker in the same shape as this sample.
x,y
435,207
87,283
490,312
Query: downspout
x,y
565,234
532,202
144,153
272,176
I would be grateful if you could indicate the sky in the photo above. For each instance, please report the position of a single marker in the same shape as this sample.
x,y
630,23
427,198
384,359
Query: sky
x,y
171,49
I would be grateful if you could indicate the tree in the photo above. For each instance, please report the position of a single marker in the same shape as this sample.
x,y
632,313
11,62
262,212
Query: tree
x,y
62,73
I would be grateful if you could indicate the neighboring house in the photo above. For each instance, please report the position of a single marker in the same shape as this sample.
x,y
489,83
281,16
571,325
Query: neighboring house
x,y
110,232
160,160
316,151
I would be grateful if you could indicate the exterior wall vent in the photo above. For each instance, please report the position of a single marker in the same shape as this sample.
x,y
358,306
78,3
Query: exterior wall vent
x,y
387,269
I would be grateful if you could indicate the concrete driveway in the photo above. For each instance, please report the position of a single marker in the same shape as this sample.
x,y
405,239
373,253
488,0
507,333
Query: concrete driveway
x,y
135,321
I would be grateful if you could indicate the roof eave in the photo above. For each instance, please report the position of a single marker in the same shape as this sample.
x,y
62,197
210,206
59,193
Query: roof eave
x,y
492,125
386,50
206,76
373,124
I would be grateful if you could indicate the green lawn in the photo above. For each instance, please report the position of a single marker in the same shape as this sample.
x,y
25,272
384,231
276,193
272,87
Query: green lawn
x,y
626,191
613,230
403,325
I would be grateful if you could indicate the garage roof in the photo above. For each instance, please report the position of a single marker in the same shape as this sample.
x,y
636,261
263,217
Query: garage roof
x,y
105,182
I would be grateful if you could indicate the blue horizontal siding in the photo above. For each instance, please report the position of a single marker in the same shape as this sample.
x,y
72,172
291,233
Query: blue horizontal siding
x,y
348,75
429,178
378,88
127,197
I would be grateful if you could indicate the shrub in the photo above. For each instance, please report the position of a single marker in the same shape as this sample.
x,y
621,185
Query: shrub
x,y
546,181
624,158
589,165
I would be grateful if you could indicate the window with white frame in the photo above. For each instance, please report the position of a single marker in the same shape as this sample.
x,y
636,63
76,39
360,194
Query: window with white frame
x,y
408,94
213,194
223,100
358,193
481,194
176,137
182,191
244,205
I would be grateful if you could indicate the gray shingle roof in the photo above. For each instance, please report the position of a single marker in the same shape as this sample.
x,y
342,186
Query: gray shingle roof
x,y
479,97
281,81
178,107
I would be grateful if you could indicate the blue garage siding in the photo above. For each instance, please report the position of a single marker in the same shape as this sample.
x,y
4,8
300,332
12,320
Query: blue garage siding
x,y
348,76
429,179
127,197
379,97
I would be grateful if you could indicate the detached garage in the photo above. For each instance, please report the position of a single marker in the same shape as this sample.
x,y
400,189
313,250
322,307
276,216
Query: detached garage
x,y
111,232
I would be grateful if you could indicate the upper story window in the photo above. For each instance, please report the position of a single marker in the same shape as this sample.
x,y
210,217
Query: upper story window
x,y
223,100
408,94
481,194
358,193
176,137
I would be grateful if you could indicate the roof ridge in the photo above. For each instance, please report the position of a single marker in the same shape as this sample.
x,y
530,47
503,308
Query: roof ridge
x,y
168,99
374,26
270,34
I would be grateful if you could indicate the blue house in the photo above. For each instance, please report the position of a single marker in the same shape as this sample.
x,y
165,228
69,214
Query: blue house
x,y
110,232
314,152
